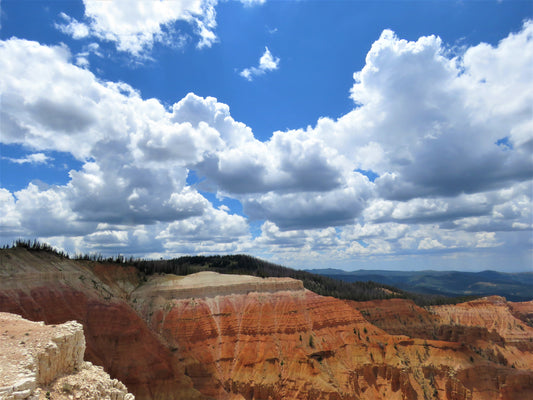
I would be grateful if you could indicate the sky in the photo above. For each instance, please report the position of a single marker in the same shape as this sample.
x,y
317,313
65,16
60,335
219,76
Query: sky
x,y
314,134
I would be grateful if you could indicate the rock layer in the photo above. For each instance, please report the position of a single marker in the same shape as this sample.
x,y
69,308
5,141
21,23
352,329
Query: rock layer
x,y
298,345
211,284
493,331
493,313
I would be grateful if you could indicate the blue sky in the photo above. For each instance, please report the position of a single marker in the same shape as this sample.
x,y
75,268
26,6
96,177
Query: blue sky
x,y
348,134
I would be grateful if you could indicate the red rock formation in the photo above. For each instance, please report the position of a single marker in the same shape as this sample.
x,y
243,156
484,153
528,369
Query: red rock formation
x,y
523,311
296,344
399,317
492,328
247,338
493,313
57,290
404,317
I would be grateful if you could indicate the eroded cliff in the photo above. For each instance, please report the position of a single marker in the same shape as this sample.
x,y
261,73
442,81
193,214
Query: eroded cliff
x,y
493,331
236,337
44,287
295,344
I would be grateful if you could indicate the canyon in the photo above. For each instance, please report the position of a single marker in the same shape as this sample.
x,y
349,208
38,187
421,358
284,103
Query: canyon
x,y
228,337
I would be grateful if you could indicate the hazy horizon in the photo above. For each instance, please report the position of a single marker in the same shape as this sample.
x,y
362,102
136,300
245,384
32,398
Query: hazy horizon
x,y
313,134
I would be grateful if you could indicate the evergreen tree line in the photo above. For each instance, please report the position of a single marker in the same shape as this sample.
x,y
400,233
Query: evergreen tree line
x,y
35,245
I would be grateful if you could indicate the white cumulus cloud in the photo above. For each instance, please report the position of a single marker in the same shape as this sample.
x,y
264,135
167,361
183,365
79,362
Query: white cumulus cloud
x,y
267,63
135,26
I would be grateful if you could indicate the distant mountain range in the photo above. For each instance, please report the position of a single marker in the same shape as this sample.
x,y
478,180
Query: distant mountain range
x,y
513,286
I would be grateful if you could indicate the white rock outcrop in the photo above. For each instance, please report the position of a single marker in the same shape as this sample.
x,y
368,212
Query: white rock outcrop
x,y
212,284
38,360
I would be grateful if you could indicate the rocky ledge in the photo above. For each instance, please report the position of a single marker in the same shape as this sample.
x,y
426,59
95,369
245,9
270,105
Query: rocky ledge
x,y
211,284
39,361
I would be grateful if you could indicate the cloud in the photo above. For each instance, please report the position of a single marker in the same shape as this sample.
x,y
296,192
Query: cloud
x,y
296,247
422,127
116,134
311,209
437,122
35,158
54,112
130,192
253,2
267,63
46,212
10,218
136,26
285,163
72,27
215,231
82,58
429,244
